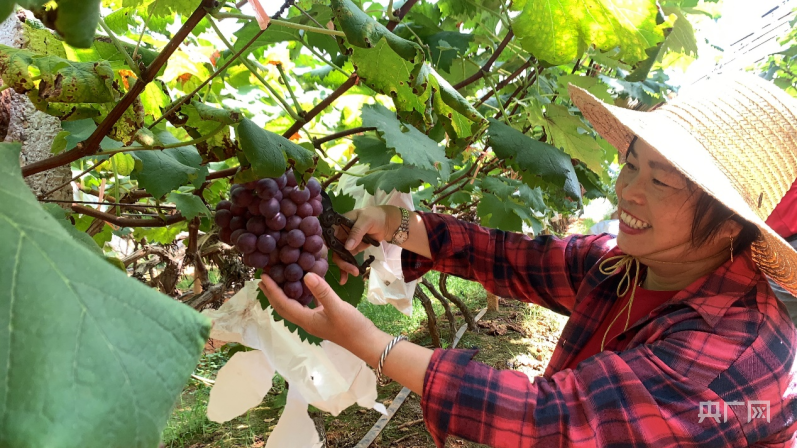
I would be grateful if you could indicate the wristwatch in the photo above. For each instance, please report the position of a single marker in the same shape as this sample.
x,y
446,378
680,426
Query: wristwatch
x,y
403,232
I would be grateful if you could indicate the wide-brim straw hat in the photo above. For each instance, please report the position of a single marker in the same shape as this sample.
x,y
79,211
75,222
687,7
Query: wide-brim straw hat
x,y
735,136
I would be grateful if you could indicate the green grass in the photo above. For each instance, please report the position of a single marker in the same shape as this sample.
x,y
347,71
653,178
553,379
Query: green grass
x,y
187,281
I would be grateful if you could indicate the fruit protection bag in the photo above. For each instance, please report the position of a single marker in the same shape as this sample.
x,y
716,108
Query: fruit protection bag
x,y
326,376
386,282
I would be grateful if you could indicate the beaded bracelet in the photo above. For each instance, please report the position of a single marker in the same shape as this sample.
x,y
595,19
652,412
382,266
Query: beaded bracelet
x,y
389,347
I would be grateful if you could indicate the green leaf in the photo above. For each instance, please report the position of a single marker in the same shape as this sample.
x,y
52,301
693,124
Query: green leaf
x,y
534,158
414,147
364,32
76,131
399,177
445,46
210,113
588,83
270,153
61,217
293,328
372,150
343,202
125,164
383,70
493,212
89,355
154,100
559,31
160,172
190,205
76,21
62,80
572,135
160,235
352,291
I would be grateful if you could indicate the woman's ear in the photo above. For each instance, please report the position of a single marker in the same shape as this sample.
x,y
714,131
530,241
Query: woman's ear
x,y
729,229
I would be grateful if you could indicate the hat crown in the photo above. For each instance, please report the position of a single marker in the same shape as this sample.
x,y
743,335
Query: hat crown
x,y
749,127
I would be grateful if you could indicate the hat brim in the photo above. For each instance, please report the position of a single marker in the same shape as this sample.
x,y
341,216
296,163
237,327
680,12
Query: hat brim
x,y
619,126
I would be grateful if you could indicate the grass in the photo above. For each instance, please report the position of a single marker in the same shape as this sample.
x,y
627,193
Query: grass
x,y
521,337
186,281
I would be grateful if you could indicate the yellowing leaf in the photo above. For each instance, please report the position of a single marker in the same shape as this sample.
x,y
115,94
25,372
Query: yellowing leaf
x,y
570,134
558,31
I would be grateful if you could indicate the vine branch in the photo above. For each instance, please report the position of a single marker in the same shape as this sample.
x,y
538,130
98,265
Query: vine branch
x,y
128,222
92,144
487,65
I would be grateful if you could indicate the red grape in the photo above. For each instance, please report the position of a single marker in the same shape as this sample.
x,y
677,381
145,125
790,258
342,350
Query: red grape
x,y
266,244
223,205
313,243
296,238
287,207
223,218
304,210
258,260
291,179
254,207
289,254
314,187
247,243
277,222
269,208
277,273
292,223
237,210
250,185
323,253
306,260
300,196
266,188
305,299
274,257
224,235
293,290
310,226
235,234
256,225
282,240
317,207
293,272
242,197
278,195
281,181
237,222
320,267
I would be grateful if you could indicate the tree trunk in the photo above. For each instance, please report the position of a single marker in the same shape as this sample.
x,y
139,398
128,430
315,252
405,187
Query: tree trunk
x,y
21,122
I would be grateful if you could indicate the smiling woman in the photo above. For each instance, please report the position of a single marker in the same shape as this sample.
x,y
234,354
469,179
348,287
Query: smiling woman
x,y
675,337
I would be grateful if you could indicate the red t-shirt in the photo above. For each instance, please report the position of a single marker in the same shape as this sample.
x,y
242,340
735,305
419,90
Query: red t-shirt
x,y
783,219
644,302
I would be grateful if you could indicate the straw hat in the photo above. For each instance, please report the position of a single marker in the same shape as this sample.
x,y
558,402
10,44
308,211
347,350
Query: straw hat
x,y
733,135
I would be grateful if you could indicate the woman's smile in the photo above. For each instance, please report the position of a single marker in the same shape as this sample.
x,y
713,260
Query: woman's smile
x,y
632,225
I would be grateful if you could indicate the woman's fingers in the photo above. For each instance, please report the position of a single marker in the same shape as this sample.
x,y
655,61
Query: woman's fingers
x,y
323,293
345,268
289,309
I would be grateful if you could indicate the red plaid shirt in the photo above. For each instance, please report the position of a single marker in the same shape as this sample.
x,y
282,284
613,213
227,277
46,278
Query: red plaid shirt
x,y
690,376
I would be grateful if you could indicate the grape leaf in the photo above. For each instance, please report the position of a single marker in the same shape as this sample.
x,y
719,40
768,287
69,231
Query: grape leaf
x,y
352,291
383,70
76,21
364,32
565,132
61,80
206,112
190,205
559,31
445,46
160,172
399,177
414,147
269,152
372,150
93,356
495,213
534,158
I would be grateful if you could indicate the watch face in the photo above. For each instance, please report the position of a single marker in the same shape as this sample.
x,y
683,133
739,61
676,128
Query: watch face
x,y
401,238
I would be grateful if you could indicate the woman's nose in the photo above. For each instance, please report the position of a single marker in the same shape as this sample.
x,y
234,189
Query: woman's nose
x,y
631,190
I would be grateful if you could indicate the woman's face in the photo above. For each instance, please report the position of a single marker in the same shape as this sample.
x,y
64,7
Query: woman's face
x,y
656,208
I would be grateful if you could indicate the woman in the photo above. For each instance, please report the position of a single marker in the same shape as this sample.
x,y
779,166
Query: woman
x,y
675,337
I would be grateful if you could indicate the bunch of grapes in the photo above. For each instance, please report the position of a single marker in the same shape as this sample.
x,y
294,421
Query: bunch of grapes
x,y
274,224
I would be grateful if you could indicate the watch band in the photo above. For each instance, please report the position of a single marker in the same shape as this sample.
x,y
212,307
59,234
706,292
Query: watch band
x,y
403,227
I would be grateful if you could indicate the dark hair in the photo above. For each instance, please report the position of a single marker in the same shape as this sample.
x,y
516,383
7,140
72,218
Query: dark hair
x,y
710,214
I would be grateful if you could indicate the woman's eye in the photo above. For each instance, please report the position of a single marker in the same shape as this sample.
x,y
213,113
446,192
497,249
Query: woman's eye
x,y
630,166
658,182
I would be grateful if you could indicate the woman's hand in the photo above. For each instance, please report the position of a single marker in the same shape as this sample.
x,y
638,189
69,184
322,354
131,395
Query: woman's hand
x,y
333,319
378,222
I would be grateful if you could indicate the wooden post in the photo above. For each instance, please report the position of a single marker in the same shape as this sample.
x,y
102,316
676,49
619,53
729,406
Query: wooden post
x,y
492,302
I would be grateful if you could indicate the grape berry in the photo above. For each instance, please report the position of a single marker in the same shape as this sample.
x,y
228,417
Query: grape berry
x,y
274,224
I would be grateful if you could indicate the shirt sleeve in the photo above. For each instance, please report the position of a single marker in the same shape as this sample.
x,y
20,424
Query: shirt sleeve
x,y
545,270
663,394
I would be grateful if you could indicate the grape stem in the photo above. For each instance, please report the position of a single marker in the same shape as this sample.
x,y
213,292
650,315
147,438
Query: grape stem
x,y
285,23
128,222
120,48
